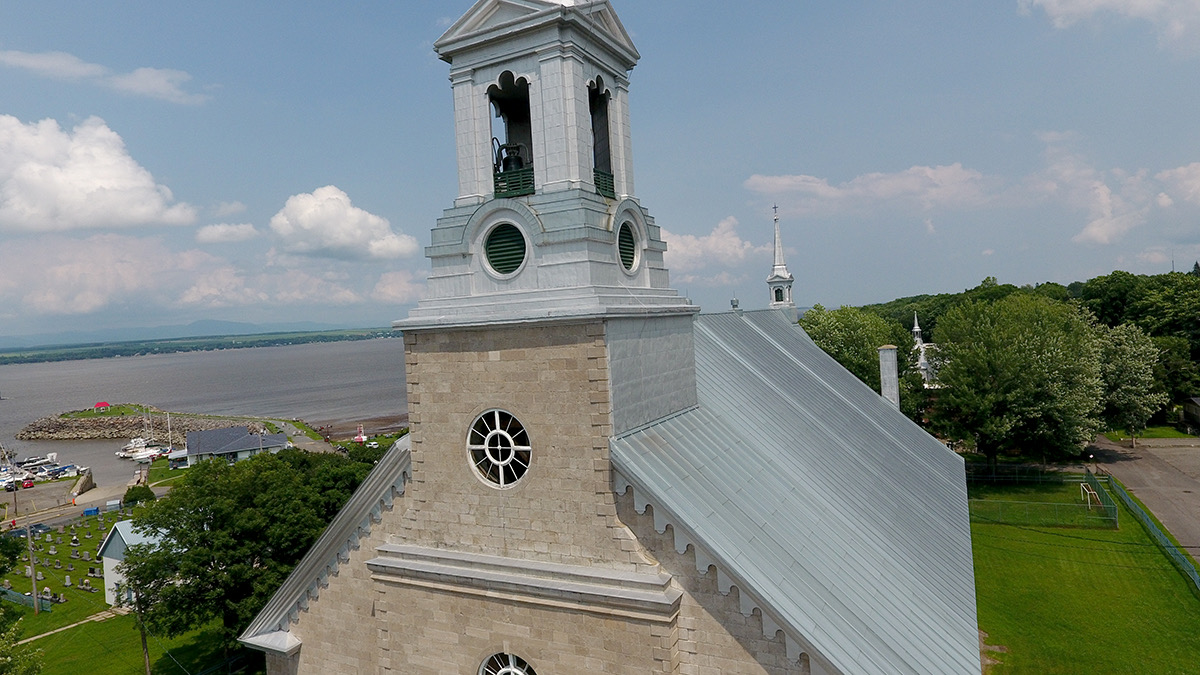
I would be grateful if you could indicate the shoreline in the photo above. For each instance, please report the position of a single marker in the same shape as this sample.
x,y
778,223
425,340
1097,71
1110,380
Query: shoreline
x,y
60,427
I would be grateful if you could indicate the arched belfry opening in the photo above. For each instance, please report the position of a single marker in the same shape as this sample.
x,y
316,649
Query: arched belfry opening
x,y
602,173
512,136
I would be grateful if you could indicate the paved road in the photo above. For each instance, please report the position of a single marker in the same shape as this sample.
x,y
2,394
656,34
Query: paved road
x,y
1165,475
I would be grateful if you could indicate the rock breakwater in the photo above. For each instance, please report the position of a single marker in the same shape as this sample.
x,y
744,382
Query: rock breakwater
x,y
63,428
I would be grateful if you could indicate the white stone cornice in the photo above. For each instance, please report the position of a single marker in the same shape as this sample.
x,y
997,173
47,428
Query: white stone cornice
x,y
638,595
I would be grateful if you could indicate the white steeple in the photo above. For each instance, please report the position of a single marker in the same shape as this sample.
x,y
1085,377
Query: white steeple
x,y
546,224
916,330
780,281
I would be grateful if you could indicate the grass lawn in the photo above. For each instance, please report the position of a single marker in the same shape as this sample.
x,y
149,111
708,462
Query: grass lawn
x,y
114,647
1069,600
1118,435
161,474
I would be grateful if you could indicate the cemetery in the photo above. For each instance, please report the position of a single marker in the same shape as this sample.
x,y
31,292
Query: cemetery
x,y
66,568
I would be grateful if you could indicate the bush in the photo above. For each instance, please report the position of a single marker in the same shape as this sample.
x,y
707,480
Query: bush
x,y
138,494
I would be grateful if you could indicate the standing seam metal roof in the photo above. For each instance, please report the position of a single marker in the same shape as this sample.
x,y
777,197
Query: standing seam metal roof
x,y
844,518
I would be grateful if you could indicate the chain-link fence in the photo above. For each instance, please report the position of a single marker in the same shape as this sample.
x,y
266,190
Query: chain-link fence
x,y
26,600
1180,558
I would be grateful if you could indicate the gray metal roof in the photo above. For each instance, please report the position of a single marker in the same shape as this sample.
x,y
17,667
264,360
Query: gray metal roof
x,y
844,521
231,439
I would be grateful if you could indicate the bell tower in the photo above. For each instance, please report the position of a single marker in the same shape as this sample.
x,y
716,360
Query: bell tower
x,y
546,223
780,281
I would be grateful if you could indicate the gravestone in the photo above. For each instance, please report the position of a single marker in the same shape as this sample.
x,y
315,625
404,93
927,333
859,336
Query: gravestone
x,y
70,567
58,540
85,583
40,577
87,535
74,540
53,550
87,555
7,585
27,571
75,554
57,564
67,581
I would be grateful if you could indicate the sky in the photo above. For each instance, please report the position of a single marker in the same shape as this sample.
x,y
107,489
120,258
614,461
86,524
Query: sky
x,y
166,162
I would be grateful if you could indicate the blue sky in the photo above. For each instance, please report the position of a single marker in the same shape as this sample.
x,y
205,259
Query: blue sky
x,y
172,161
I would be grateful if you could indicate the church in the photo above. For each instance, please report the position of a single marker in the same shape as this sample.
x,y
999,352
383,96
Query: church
x,y
599,478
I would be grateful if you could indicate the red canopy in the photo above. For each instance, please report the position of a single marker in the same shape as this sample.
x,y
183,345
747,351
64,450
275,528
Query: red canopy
x,y
101,404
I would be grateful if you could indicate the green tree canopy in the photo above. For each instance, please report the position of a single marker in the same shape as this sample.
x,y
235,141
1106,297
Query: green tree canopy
x,y
1127,360
1021,374
230,534
853,338
14,659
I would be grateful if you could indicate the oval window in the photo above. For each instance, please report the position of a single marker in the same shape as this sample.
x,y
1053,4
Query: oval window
x,y
505,248
627,246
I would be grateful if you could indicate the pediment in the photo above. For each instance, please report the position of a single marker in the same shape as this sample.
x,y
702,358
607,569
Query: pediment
x,y
488,16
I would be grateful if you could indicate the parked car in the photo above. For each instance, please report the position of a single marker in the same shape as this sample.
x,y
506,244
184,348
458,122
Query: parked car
x,y
12,486
16,533
39,528
28,483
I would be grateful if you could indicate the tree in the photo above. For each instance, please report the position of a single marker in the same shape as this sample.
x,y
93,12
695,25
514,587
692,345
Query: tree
x,y
136,494
1175,374
1195,269
1018,374
14,659
1127,360
853,338
230,534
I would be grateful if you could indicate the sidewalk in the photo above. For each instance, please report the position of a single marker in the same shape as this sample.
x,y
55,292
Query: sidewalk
x,y
98,616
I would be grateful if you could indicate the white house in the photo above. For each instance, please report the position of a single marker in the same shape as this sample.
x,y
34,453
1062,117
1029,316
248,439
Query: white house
x,y
112,553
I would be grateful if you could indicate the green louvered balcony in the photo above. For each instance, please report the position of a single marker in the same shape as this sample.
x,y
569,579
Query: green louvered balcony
x,y
514,182
604,183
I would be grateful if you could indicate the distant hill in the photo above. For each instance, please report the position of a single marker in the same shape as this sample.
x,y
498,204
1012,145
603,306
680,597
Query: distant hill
x,y
202,328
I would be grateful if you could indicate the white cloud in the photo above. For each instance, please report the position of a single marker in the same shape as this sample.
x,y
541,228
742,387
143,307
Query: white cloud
x,y
920,188
325,224
398,288
1177,21
1112,210
59,275
57,65
713,259
227,287
228,209
164,84
62,275
52,180
223,233
1183,182
161,83
1154,256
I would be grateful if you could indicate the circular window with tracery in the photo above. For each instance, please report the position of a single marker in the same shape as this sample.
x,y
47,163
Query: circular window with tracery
x,y
505,664
499,447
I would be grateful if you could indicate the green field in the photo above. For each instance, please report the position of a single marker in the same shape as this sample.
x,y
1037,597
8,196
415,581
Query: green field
x,y
1070,600
114,647
1118,435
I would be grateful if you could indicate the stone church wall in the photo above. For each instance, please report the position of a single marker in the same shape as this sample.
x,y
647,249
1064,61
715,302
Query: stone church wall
x,y
713,635
553,378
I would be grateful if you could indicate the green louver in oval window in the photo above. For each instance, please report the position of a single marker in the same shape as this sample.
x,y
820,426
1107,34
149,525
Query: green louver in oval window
x,y
505,248
627,246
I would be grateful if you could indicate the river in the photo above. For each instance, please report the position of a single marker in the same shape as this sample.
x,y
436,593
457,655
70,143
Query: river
x,y
336,383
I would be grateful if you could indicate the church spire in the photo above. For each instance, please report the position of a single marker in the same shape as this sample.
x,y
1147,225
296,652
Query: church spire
x,y
780,281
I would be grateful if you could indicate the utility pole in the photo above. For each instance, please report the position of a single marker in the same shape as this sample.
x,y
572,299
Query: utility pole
x,y
37,603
